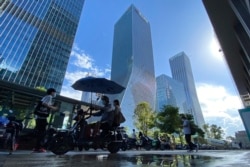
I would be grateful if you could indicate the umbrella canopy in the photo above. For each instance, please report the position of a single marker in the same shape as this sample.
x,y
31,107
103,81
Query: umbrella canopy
x,y
98,85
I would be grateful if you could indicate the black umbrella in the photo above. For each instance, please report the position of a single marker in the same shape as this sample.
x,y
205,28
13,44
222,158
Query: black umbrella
x,y
98,85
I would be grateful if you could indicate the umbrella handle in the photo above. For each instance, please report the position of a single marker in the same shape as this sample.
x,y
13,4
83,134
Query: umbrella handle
x,y
90,109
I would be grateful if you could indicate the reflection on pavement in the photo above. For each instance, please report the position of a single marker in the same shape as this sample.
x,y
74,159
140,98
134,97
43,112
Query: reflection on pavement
x,y
121,159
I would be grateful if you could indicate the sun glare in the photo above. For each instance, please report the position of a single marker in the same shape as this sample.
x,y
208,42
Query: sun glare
x,y
216,49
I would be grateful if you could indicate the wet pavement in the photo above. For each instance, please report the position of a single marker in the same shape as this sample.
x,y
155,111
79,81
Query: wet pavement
x,y
99,158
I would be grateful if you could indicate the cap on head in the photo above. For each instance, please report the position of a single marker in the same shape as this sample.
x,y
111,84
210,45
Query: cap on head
x,y
50,90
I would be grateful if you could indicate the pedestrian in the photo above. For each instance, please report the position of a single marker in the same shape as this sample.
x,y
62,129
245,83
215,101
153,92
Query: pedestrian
x,y
133,135
240,145
42,112
187,133
118,116
106,117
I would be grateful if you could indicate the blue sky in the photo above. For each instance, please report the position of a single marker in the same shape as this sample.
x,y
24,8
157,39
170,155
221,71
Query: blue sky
x,y
176,26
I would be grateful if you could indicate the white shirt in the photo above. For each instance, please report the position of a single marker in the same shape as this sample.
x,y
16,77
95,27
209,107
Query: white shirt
x,y
186,127
47,100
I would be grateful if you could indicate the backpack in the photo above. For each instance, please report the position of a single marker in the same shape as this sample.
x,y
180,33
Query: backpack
x,y
192,129
41,110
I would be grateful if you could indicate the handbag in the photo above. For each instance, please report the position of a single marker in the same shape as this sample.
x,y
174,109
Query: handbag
x,y
121,118
41,110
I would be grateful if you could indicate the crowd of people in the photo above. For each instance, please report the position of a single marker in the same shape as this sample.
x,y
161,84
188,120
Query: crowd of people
x,y
109,117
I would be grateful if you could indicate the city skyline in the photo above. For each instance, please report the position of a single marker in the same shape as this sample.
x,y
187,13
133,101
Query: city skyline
x,y
175,26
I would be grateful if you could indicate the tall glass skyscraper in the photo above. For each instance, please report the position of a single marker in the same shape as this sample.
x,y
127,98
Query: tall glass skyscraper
x,y
132,62
170,92
36,38
181,71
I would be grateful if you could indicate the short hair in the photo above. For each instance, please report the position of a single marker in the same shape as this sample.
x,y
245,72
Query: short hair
x,y
80,112
116,101
106,99
183,116
50,90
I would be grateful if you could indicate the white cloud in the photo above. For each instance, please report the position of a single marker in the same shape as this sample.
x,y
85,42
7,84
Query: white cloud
x,y
71,93
82,60
71,77
83,66
220,107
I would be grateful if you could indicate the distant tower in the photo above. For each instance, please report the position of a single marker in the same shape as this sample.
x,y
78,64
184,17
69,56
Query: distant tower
x,y
132,62
36,38
181,71
170,92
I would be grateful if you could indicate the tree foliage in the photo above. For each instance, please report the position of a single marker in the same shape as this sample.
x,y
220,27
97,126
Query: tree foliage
x,y
144,117
41,88
168,120
213,131
216,131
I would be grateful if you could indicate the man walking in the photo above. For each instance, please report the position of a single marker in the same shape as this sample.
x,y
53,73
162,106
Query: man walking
x,y
42,112
187,133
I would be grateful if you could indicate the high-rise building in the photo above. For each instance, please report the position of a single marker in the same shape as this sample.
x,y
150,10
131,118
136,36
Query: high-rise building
x,y
182,72
231,22
170,92
36,39
132,62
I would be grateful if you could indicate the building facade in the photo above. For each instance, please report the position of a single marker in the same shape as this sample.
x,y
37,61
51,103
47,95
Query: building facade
x,y
132,62
36,39
233,34
182,72
241,136
170,92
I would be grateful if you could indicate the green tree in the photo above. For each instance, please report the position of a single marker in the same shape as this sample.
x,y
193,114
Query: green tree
x,y
144,117
168,119
216,131
41,88
206,128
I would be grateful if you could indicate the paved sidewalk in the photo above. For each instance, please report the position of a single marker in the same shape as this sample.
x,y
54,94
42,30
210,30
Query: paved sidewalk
x,y
99,158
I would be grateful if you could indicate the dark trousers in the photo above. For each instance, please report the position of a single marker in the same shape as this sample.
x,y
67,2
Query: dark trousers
x,y
40,130
189,142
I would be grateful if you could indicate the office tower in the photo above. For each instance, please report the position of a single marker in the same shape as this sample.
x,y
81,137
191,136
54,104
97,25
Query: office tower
x,y
231,22
132,62
182,72
170,92
36,38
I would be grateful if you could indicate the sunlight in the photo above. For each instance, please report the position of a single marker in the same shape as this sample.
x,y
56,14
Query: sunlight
x,y
216,49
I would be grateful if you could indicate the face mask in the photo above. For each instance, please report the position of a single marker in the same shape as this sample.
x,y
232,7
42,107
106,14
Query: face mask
x,y
54,95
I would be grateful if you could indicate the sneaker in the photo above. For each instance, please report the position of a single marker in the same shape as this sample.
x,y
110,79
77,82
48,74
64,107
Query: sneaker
x,y
41,150
35,150
16,146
